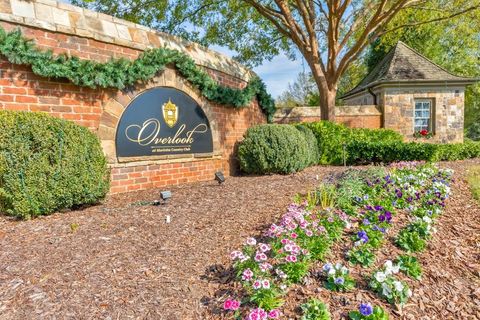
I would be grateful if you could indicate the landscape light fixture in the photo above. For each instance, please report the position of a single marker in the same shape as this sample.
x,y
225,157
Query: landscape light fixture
x,y
165,195
219,177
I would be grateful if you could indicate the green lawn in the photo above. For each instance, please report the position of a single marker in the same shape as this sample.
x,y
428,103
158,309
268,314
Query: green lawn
x,y
473,178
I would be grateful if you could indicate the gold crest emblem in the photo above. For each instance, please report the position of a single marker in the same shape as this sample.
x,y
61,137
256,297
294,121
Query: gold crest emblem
x,y
170,113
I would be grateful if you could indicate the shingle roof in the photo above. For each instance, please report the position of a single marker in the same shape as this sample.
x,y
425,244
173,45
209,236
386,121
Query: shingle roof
x,y
403,64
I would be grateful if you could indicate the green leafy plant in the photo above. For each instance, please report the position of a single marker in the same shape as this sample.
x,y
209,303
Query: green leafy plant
x,y
367,312
361,255
414,237
267,299
121,73
295,271
410,241
48,164
314,309
318,247
410,266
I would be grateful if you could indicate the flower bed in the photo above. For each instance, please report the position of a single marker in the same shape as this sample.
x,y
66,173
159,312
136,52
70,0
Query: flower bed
x,y
361,207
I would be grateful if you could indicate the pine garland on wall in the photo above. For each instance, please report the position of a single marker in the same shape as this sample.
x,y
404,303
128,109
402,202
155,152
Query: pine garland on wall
x,y
120,73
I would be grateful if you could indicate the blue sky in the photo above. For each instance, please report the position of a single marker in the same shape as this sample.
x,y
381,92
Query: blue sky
x,y
276,73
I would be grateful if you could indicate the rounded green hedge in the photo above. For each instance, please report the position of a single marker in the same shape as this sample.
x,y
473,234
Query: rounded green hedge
x,y
312,144
274,148
48,164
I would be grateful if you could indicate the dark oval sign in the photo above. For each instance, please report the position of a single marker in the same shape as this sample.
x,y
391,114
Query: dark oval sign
x,y
163,121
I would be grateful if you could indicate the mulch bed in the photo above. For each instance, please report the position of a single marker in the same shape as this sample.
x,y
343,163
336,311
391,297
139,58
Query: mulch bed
x,y
121,260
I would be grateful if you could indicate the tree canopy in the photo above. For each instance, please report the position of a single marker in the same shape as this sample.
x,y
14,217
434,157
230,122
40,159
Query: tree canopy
x,y
330,34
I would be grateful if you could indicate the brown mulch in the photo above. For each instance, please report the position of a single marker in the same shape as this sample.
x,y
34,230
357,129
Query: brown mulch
x,y
121,260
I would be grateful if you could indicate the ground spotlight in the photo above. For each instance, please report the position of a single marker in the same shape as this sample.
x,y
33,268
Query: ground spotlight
x,y
165,196
219,177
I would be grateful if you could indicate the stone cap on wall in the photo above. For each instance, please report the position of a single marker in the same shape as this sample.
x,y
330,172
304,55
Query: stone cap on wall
x,y
359,110
314,112
68,19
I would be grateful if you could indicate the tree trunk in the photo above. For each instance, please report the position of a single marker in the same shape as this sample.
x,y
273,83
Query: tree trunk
x,y
326,92
327,104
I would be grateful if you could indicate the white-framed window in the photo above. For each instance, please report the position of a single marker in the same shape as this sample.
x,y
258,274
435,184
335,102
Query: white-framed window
x,y
423,115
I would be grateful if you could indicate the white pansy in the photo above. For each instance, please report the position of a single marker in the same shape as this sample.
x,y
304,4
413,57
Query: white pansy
x,y
398,286
427,219
386,290
380,276
344,270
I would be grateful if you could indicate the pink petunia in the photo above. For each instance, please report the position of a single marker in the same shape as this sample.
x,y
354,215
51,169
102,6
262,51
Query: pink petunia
x,y
235,305
247,275
257,314
264,247
274,314
235,254
260,256
266,284
265,266
231,304
291,258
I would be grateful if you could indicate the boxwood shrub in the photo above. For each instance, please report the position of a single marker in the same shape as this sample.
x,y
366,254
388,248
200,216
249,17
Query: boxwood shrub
x,y
312,144
48,164
274,148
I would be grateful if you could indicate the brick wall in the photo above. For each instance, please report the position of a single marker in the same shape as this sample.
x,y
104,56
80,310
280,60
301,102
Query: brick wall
x,y
361,116
100,110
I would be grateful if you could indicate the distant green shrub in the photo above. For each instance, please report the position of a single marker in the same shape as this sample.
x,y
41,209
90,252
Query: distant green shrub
x,y
274,148
331,138
360,152
473,131
48,164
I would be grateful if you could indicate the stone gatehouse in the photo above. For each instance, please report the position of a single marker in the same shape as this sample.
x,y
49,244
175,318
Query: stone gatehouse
x,y
412,94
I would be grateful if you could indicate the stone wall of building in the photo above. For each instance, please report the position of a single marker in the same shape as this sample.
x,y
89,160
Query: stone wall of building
x,y
448,111
67,29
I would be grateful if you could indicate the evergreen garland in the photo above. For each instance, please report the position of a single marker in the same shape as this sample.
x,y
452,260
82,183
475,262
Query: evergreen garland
x,y
120,73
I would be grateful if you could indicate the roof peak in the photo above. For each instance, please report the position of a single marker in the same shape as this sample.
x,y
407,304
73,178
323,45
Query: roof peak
x,y
402,63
